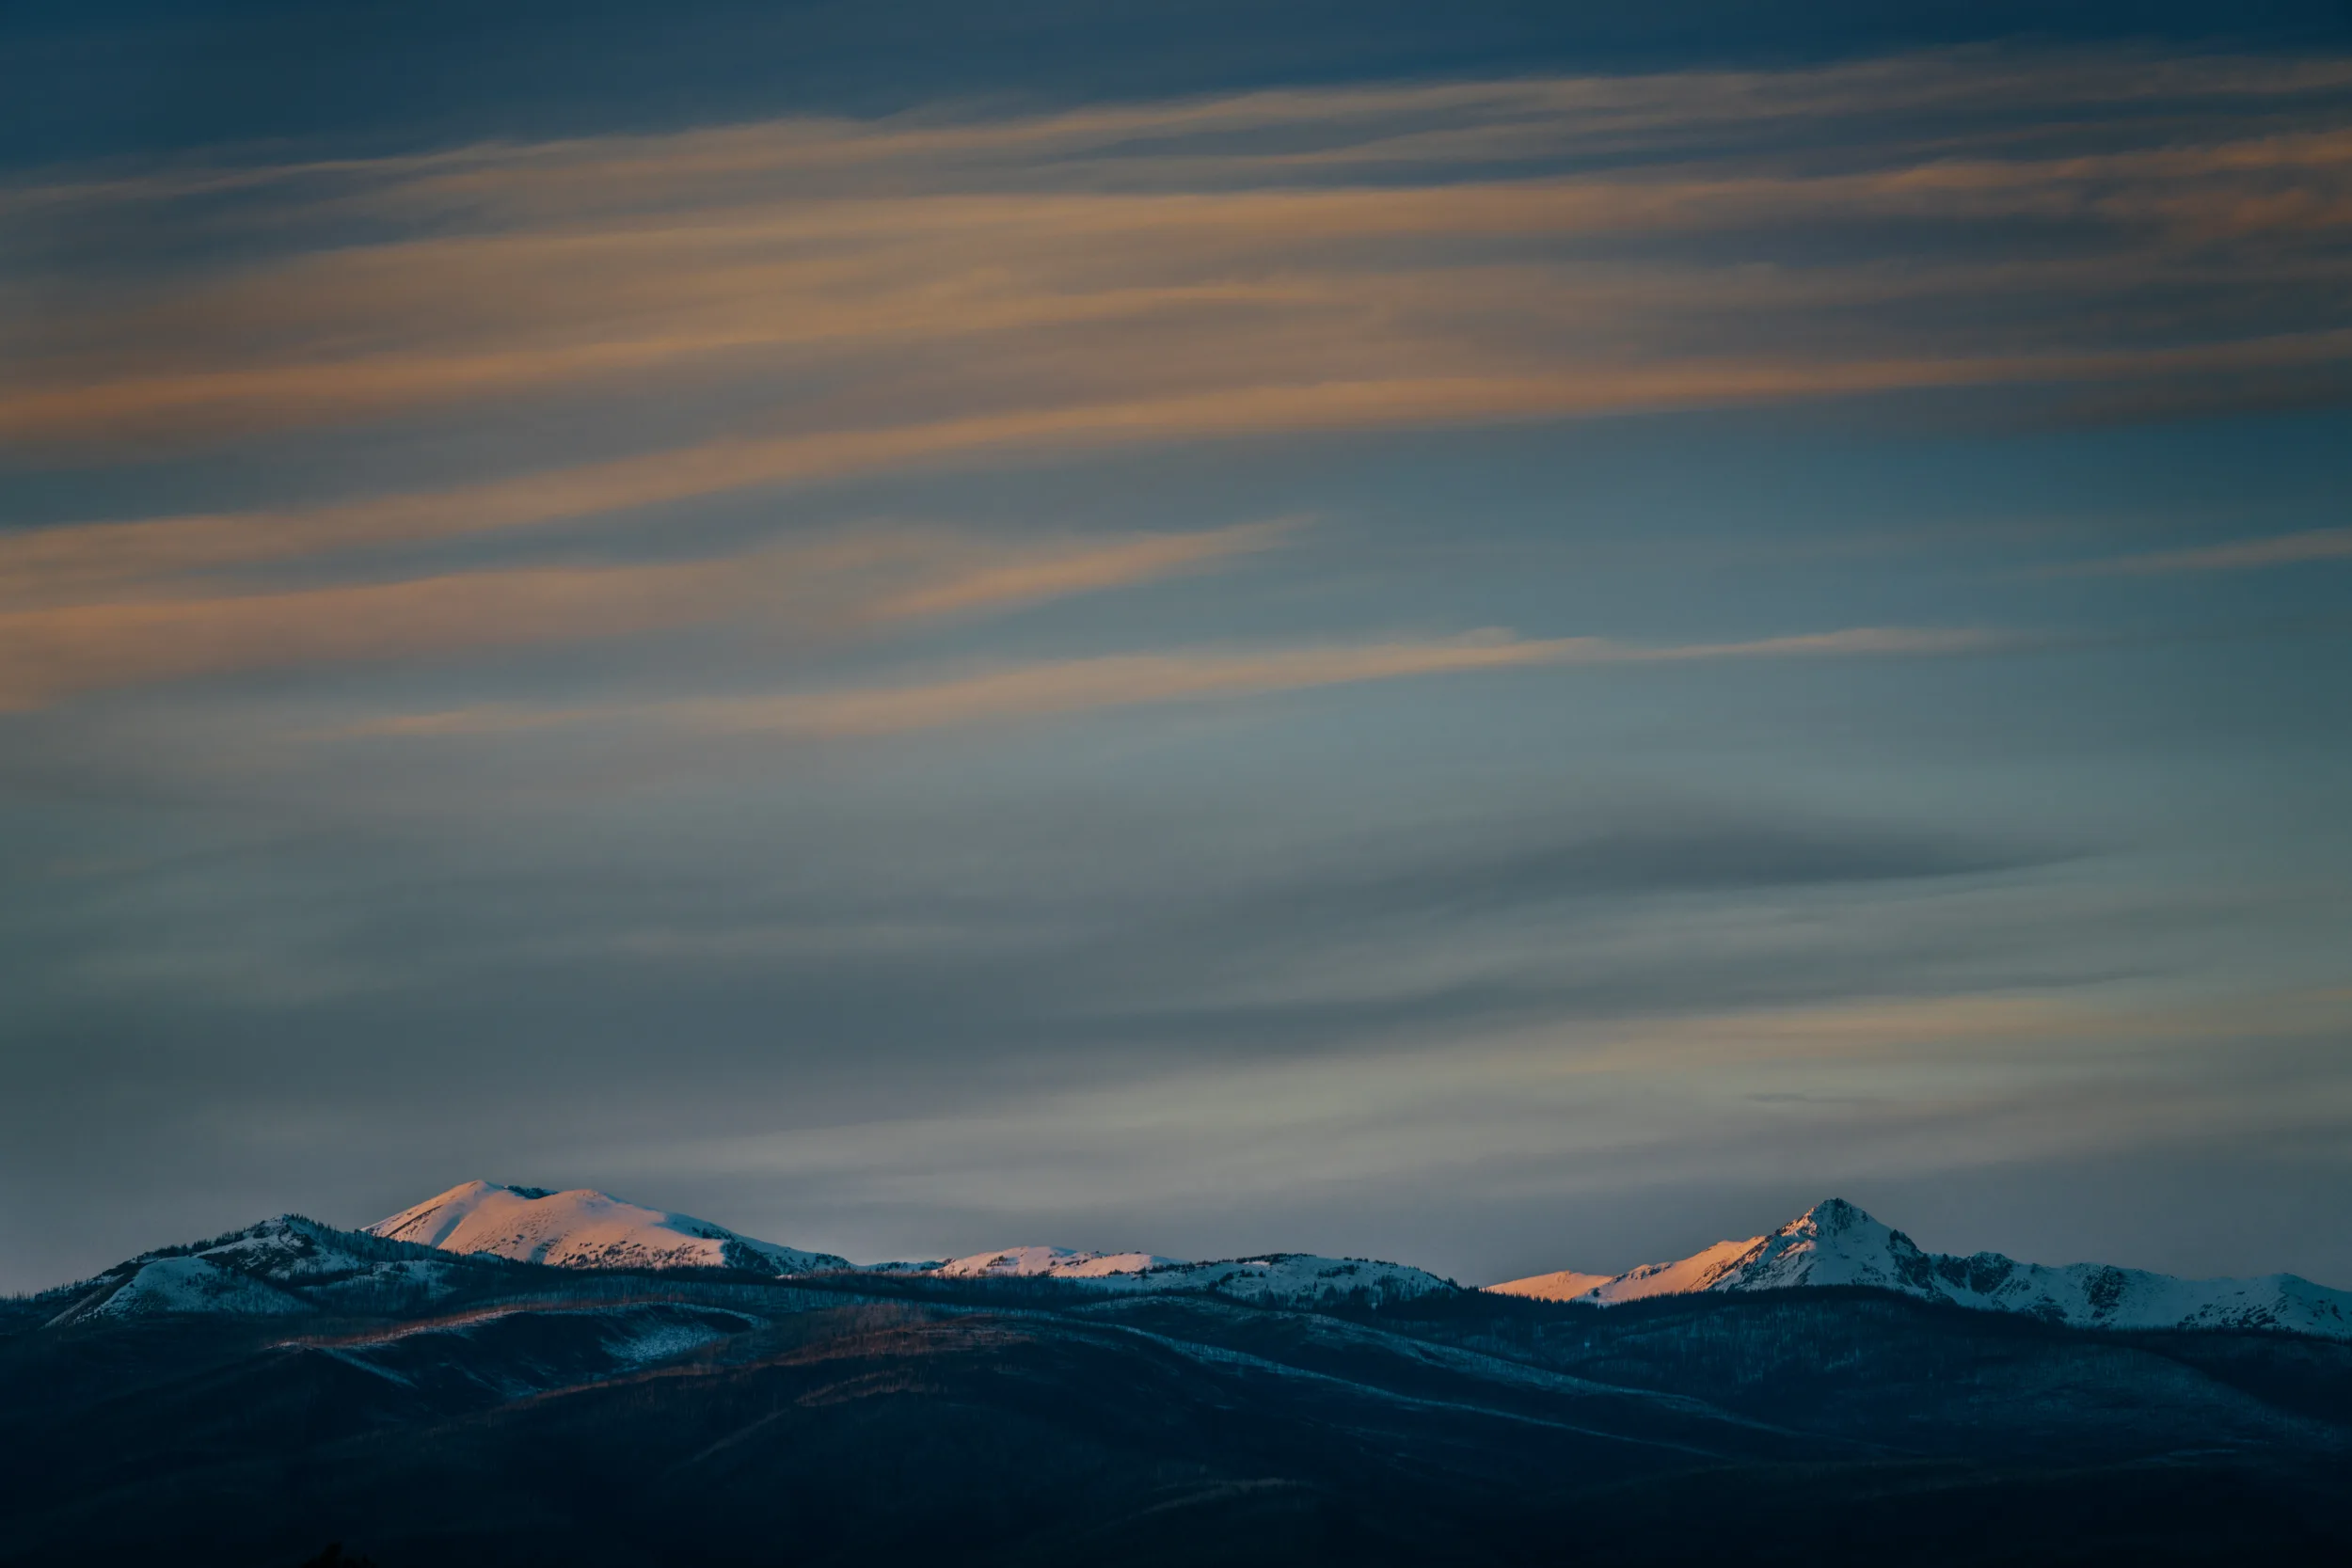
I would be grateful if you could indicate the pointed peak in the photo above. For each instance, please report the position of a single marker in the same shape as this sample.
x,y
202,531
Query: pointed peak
x,y
1830,1216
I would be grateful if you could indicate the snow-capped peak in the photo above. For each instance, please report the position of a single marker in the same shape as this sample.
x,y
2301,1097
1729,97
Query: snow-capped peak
x,y
1831,1243
1835,1242
585,1230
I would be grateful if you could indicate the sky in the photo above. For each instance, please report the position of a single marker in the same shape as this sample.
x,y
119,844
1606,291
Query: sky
x,y
1511,638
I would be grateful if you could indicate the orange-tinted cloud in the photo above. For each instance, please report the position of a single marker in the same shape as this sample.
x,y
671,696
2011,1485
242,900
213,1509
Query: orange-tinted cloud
x,y
1032,691
507,270
55,565
829,589
848,298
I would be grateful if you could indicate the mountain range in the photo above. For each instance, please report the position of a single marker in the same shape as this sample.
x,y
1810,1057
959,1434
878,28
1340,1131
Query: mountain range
x,y
254,1272
511,1375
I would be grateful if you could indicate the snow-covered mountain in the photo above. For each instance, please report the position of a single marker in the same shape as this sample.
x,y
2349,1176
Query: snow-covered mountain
x,y
415,1259
1286,1278
278,1268
1049,1262
1290,1278
585,1230
1835,1243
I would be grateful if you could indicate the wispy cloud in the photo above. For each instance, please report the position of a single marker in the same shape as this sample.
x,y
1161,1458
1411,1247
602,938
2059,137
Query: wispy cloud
x,y
1370,222
1908,1083
1365,280
96,561
1077,685
828,589
852,297
2286,549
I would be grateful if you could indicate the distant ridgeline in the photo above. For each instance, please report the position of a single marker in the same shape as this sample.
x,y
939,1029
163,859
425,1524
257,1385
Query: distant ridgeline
x,y
292,1265
513,1375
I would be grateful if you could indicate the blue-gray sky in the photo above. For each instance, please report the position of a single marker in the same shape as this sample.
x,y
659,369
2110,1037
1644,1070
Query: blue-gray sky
x,y
1518,641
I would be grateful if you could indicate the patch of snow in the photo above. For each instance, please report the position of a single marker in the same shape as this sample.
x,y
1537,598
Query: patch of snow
x,y
643,1343
1683,1275
1566,1285
1698,1272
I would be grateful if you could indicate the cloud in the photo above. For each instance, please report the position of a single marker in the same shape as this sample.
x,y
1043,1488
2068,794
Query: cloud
x,y
44,565
1586,1101
813,300
828,589
1391,275
1379,215
2287,549
1042,574
49,563
1648,851
1033,691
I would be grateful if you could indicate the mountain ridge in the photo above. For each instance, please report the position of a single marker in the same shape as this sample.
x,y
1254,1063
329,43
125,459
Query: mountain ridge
x,y
584,1229
1837,1243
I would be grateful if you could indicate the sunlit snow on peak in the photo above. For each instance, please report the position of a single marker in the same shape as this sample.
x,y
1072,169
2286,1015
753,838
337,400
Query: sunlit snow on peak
x,y
584,1228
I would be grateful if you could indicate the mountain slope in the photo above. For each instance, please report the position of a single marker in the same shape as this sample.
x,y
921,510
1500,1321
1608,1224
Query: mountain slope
x,y
585,1230
1563,1285
1295,1278
276,1268
1837,1243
